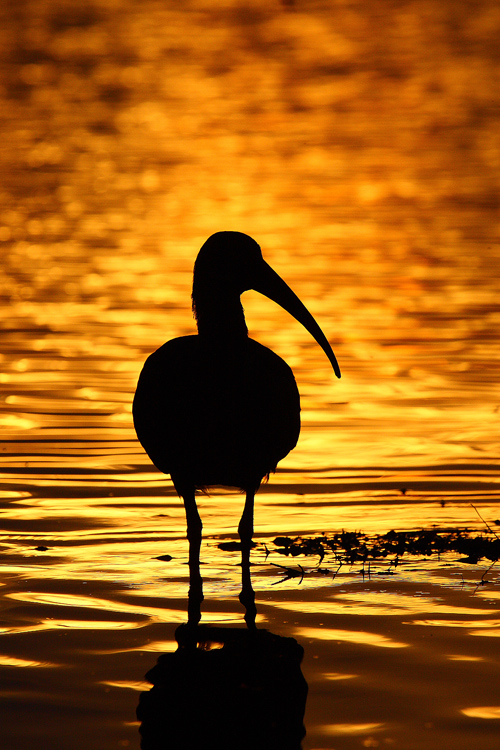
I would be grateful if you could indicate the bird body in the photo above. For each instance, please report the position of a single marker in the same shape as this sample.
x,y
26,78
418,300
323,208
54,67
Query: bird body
x,y
219,408
216,415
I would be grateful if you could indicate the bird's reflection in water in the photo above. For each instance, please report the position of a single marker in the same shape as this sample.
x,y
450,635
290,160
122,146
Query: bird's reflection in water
x,y
225,688
234,688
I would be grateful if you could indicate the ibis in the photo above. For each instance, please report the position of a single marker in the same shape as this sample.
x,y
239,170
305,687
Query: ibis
x,y
218,408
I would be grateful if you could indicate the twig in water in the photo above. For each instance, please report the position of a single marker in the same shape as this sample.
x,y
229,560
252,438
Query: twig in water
x,y
485,523
482,582
289,573
335,574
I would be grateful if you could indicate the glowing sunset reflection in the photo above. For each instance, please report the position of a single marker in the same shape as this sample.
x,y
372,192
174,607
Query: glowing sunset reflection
x,y
359,144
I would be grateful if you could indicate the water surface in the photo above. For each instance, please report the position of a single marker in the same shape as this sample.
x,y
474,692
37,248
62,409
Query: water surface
x,y
359,145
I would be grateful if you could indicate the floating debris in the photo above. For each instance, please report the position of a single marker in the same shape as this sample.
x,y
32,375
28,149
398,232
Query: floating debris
x,y
350,547
289,573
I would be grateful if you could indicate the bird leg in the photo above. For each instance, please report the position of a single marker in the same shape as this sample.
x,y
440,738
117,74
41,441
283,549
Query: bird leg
x,y
245,530
194,529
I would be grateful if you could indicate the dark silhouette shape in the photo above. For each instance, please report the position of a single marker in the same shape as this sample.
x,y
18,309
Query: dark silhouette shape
x,y
219,408
225,688
246,693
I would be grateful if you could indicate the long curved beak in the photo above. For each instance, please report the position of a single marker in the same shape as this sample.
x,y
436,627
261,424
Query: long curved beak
x,y
271,285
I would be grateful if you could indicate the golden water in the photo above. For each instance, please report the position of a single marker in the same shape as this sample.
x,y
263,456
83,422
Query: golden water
x,y
359,145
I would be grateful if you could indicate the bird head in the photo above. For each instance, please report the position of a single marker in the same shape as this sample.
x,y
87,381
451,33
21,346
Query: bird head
x,y
228,261
232,262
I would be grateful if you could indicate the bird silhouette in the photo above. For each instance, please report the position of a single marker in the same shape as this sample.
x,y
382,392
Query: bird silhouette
x,y
218,408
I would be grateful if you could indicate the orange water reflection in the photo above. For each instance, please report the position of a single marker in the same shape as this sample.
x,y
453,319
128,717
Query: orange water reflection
x,y
360,637
359,145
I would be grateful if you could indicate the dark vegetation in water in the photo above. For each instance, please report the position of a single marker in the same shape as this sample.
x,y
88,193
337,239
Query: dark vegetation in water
x,y
351,547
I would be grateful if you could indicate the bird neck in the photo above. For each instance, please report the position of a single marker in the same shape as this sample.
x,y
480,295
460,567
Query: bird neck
x,y
219,315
